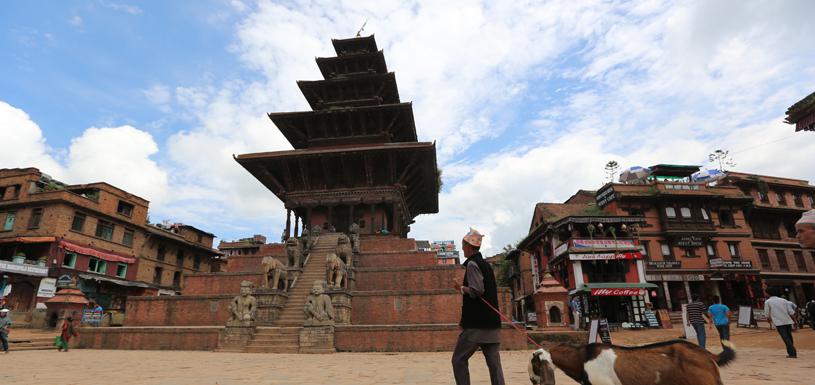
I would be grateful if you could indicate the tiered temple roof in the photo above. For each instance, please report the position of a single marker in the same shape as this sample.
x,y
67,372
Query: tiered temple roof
x,y
357,146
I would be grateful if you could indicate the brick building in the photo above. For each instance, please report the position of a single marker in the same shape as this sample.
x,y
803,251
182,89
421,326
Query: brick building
x,y
777,203
95,231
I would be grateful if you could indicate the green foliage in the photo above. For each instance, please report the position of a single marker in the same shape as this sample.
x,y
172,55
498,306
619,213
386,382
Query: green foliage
x,y
439,180
503,275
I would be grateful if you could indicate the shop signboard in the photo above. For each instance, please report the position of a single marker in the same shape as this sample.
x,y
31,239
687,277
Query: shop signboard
x,y
561,249
605,196
718,263
619,291
689,241
664,265
604,256
603,244
48,288
599,328
21,268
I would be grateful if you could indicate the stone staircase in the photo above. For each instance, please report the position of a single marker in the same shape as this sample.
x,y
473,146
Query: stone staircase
x,y
284,336
33,343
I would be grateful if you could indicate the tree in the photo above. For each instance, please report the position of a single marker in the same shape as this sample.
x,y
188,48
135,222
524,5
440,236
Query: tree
x,y
723,158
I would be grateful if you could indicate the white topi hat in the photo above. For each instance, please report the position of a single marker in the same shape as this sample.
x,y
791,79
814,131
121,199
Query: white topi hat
x,y
3,310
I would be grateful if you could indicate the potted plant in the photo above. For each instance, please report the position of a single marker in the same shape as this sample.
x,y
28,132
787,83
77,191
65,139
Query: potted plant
x,y
18,258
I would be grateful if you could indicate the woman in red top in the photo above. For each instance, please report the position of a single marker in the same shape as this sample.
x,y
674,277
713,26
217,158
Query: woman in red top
x,y
68,331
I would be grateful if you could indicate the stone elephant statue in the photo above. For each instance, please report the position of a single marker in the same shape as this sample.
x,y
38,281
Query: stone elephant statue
x,y
335,271
277,270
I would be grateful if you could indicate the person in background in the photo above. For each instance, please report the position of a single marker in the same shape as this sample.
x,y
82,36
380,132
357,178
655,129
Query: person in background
x,y
5,325
805,230
480,324
720,314
810,308
68,331
697,315
779,313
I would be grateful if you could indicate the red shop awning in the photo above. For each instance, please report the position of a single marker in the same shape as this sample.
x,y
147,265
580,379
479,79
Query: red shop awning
x,y
95,253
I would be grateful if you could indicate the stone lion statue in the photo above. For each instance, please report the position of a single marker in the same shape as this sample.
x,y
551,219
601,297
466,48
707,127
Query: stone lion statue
x,y
344,250
272,267
293,251
335,274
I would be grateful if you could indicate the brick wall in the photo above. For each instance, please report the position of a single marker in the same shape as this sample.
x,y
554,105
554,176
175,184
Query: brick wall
x,y
414,338
396,259
149,338
193,310
248,263
219,283
406,307
408,278
376,243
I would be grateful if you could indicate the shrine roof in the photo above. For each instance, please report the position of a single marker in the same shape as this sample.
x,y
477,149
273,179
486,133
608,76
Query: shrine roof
x,y
354,45
335,150
352,64
366,124
360,90
802,114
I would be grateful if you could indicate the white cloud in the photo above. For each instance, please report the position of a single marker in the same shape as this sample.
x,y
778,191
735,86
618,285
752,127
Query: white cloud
x,y
127,8
158,94
23,142
75,21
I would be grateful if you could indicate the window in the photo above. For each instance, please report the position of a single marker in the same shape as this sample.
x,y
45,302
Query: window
x,y
79,222
97,266
690,252
782,200
179,259
157,275
705,215
792,232
196,262
36,217
104,229
177,279
16,191
125,208
762,196
782,259
2,192
764,258
799,259
121,270
711,250
8,224
796,199
69,260
644,247
685,211
160,252
666,251
726,218
733,248
127,237
670,212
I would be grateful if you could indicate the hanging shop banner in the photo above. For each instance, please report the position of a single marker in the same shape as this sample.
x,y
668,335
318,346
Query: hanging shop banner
x,y
718,263
603,244
604,256
25,269
625,292
561,249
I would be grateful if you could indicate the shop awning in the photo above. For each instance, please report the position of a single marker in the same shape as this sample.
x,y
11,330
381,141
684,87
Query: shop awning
x,y
121,282
28,240
616,288
110,257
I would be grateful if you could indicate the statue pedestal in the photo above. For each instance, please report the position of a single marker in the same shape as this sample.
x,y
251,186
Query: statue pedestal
x,y
270,303
341,301
236,335
317,339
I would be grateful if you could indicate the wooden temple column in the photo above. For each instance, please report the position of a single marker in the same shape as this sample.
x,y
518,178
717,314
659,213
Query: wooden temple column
x,y
296,225
307,221
373,222
350,215
288,224
330,216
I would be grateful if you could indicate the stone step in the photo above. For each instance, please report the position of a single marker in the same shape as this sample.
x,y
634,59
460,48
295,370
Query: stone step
x,y
273,349
275,341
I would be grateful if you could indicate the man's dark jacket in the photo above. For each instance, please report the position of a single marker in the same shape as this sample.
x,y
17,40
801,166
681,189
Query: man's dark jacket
x,y
475,314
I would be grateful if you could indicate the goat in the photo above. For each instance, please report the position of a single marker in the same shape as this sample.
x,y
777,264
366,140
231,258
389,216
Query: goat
x,y
673,362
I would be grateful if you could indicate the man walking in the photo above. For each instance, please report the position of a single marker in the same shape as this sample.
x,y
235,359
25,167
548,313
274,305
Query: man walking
x,y
779,313
481,325
721,318
696,318
810,309
5,325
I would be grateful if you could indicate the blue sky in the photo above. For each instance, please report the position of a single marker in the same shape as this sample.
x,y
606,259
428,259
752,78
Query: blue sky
x,y
527,100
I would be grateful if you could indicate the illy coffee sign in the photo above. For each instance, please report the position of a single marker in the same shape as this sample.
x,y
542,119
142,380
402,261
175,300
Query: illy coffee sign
x,y
617,292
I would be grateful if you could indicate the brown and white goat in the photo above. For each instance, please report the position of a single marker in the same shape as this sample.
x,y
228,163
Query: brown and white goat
x,y
664,363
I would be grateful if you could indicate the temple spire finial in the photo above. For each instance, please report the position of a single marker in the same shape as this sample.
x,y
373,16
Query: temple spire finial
x,y
359,33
